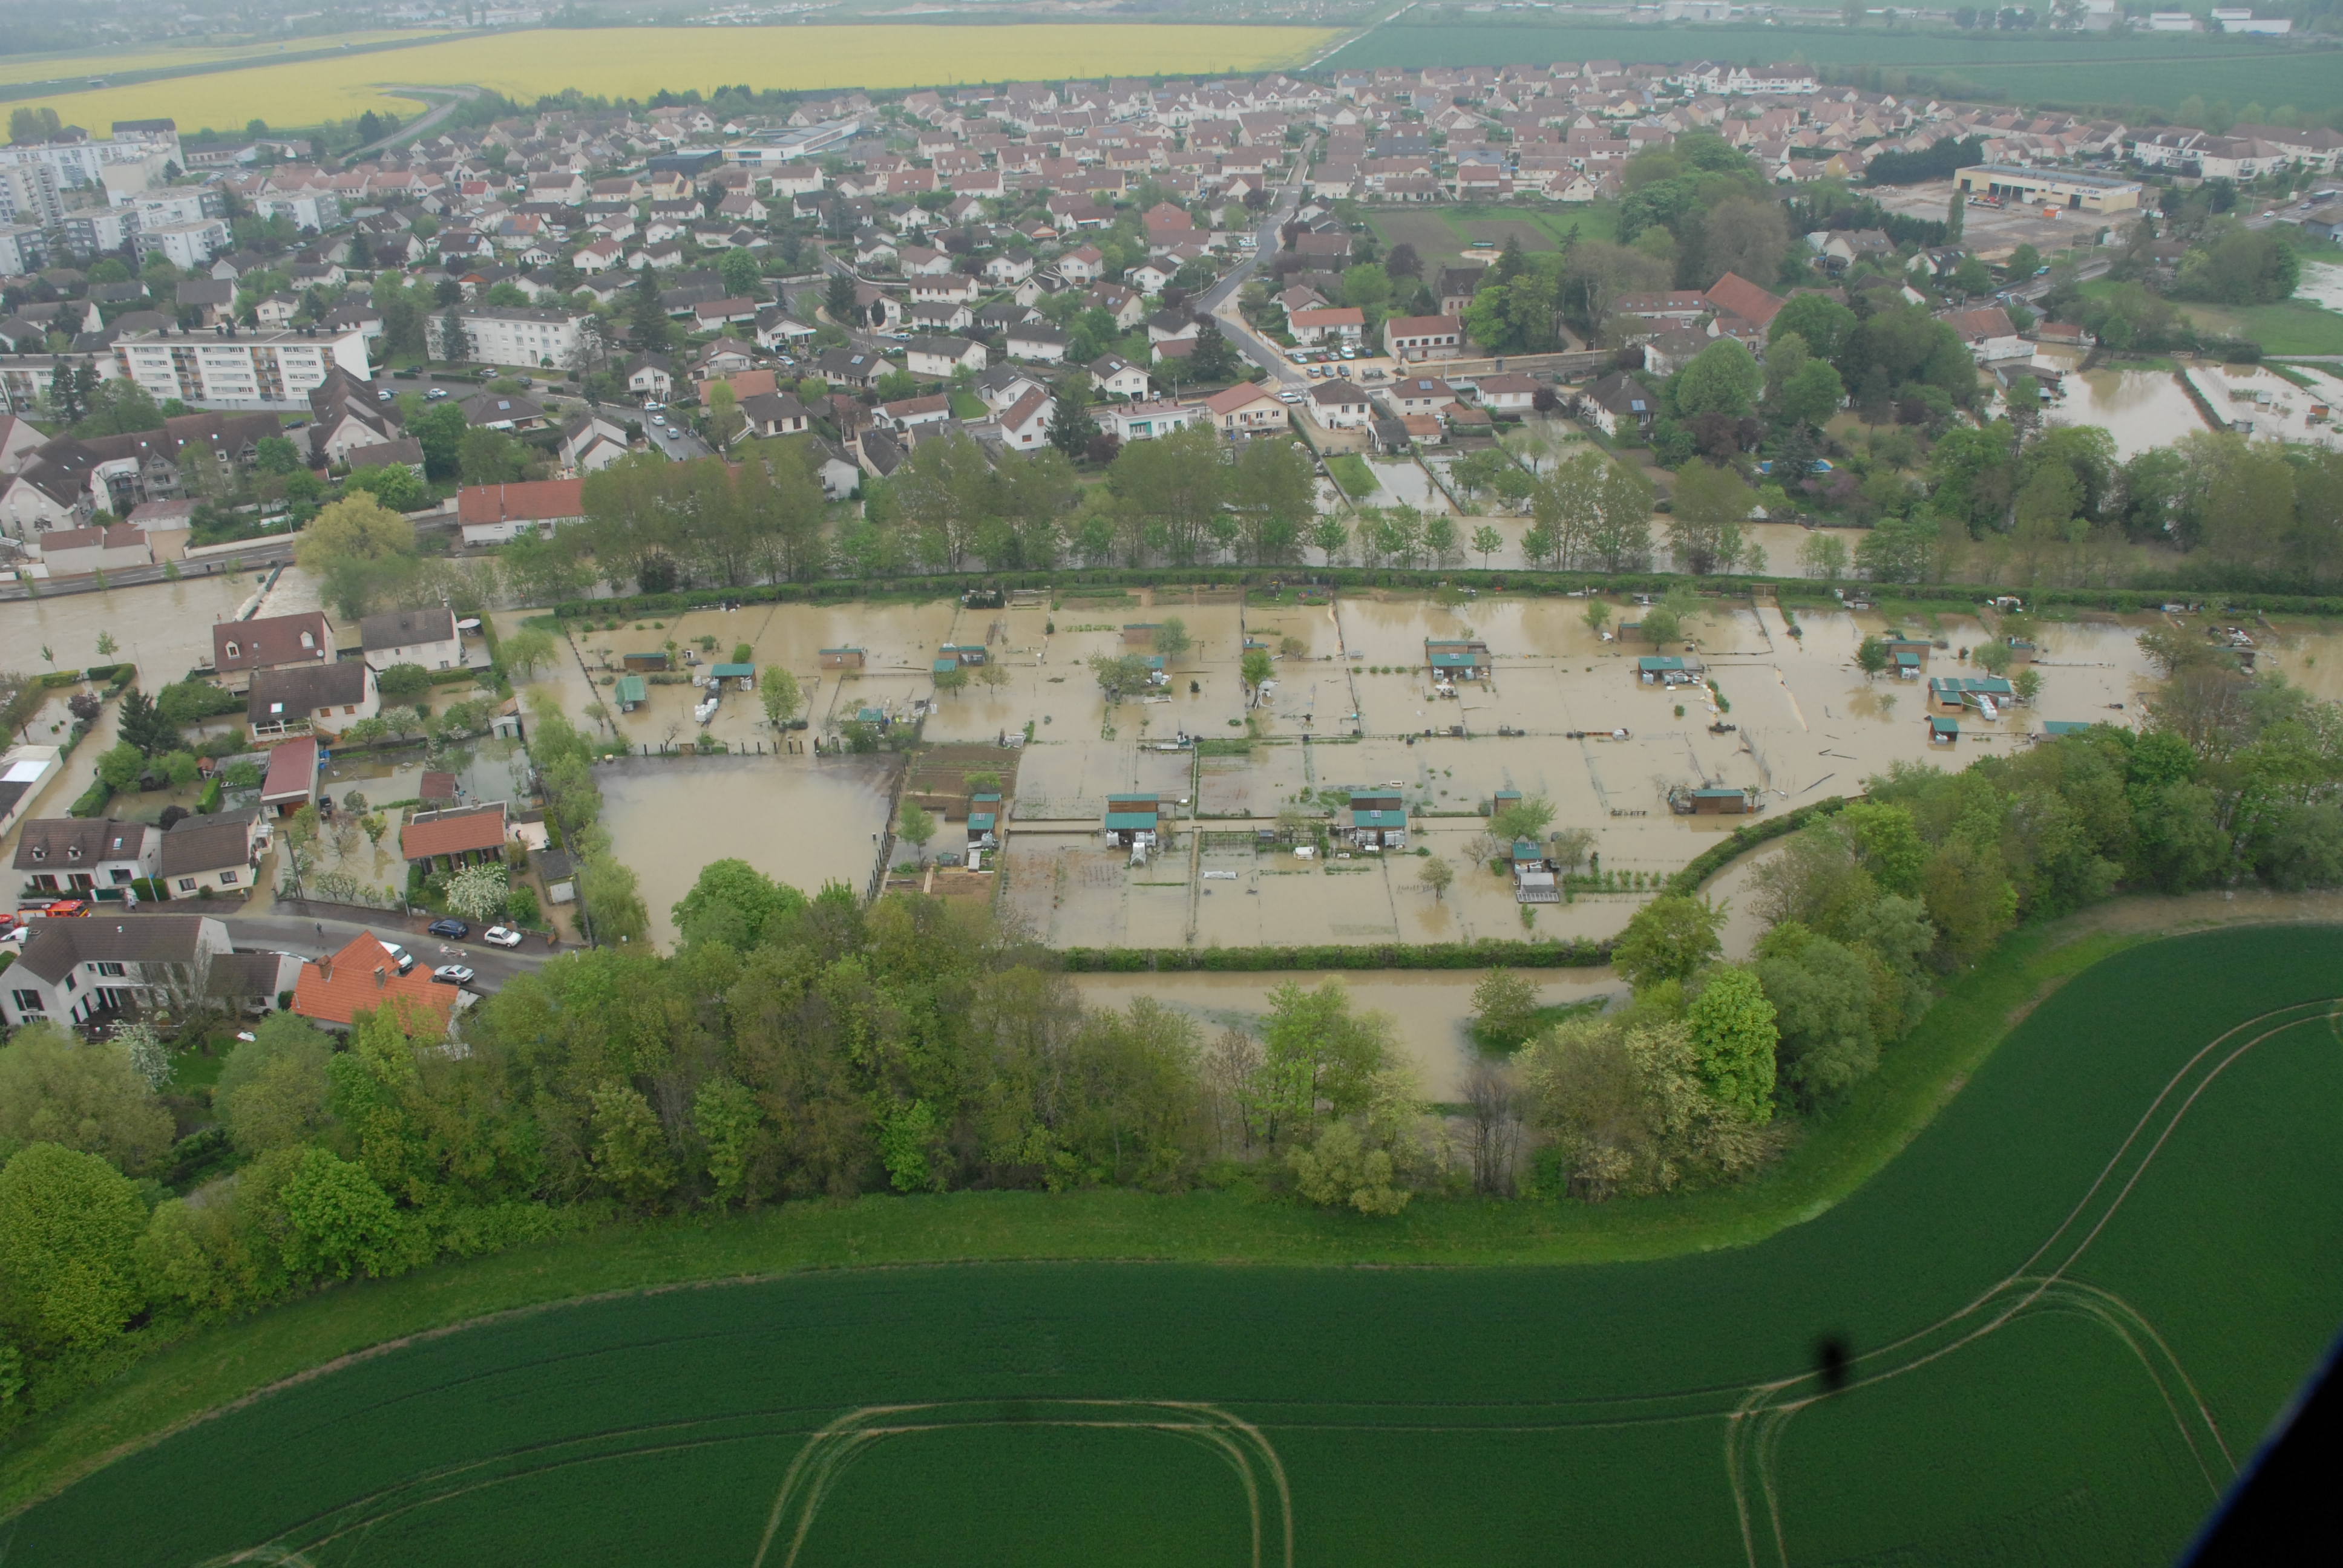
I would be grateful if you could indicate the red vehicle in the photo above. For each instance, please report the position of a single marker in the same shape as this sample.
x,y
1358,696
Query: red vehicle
x,y
66,909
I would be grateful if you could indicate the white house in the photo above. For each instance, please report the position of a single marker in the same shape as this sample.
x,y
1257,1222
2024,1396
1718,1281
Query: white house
x,y
59,857
1112,373
1247,408
1340,405
937,358
214,854
72,969
429,637
1026,426
1508,392
1145,421
1039,341
1344,323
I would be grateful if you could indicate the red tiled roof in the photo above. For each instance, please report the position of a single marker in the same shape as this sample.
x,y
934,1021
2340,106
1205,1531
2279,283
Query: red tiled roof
x,y
1743,299
453,832
362,977
533,501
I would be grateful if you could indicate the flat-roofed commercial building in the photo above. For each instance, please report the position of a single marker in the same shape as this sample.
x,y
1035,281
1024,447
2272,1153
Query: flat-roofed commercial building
x,y
2050,187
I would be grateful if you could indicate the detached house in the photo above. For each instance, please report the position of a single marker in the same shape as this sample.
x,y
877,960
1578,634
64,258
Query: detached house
x,y
242,648
58,857
1247,408
327,698
214,854
72,971
429,637
1424,337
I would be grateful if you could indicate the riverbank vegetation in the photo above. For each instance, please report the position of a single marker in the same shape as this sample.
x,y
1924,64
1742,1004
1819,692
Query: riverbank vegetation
x,y
813,1048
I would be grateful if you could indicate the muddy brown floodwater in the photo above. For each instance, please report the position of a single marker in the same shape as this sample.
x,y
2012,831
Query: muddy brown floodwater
x,y
802,820
1428,1011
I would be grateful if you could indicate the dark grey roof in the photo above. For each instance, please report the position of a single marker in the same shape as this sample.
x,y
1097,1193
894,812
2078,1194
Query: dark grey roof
x,y
59,945
406,627
59,843
298,690
237,975
206,844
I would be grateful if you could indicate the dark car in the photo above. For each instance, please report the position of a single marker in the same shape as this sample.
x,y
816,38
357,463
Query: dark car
x,y
457,929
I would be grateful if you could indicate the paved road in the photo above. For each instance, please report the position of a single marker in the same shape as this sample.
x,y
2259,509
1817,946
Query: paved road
x,y
417,127
293,933
1221,298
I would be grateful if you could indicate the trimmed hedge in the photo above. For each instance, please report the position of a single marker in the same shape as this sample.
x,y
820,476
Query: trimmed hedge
x,y
1488,953
1746,838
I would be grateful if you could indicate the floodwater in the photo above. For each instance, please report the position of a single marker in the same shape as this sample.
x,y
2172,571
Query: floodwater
x,y
1428,1011
1802,723
2322,284
803,820
2266,405
2140,408
165,629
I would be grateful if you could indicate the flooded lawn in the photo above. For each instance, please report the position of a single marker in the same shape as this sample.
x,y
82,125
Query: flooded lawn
x,y
2263,404
165,629
1428,1011
802,820
2140,408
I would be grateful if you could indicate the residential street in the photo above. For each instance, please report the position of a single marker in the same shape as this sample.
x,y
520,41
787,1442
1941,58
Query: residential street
x,y
294,933
1221,298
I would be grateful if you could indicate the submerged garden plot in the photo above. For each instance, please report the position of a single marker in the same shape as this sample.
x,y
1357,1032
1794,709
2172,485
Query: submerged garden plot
x,y
2073,1304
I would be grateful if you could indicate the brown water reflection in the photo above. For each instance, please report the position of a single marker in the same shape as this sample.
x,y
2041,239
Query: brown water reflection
x,y
802,821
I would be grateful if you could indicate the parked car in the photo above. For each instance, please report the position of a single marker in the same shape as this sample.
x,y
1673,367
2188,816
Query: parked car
x,y
399,955
659,419
452,974
501,937
384,395
450,927
435,394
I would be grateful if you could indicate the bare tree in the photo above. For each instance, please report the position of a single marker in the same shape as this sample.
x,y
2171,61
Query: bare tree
x,y
1229,1068
1495,1120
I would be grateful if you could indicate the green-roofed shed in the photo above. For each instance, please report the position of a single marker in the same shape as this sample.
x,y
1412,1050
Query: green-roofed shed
x,y
744,673
631,693
1943,730
2065,725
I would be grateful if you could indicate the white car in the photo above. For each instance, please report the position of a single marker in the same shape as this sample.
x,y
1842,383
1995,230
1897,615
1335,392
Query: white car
x,y
399,955
659,419
435,394
501,937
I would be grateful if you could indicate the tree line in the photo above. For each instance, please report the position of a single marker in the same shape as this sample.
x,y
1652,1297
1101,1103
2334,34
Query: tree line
x,y
796,1047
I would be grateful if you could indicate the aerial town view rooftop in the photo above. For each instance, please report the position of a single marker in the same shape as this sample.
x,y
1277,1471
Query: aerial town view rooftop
x,y
1567,777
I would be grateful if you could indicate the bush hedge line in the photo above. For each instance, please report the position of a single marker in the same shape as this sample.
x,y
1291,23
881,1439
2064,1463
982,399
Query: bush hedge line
x,y
2148,592
1746,838
1487,953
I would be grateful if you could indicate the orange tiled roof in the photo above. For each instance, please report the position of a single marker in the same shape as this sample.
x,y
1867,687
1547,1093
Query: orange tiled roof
x,y
362,977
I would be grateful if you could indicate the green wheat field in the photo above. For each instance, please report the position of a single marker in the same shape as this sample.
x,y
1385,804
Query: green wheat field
x,y
2074,1304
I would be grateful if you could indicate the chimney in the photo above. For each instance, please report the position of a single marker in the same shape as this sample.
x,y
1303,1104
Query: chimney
x,y
325,967
381,977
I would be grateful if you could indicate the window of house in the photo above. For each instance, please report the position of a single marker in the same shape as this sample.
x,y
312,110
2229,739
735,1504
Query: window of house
x,y
186,884
72,985
27,1000
112,971
234,652
83,881
45,881
227,879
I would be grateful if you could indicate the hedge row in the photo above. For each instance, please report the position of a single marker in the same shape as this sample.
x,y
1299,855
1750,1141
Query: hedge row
x,y
2148,593
1746,838
1487,953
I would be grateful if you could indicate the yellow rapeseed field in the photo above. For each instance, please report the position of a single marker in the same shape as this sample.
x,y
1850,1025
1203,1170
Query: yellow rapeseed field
x,y
635,62
74,69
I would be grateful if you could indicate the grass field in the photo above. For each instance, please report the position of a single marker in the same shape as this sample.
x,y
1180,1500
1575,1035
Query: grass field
x,y
2142,69
1440,234
636,62
74,69
2074,1300
2289,327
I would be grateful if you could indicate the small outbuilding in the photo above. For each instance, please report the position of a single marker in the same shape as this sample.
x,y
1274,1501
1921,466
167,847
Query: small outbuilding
x,y
1133,820
1943,730
841,659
